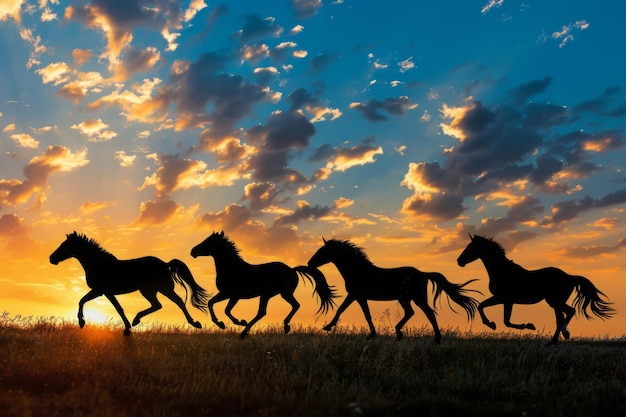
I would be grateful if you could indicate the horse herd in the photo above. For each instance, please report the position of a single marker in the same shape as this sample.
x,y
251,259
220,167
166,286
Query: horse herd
x,y
236,279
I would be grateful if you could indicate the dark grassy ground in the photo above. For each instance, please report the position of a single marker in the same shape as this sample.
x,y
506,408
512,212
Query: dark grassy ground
x,y
53,368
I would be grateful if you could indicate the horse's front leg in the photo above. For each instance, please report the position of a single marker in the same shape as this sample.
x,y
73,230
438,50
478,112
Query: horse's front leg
x,y
259,315
87,297
508,310
229,307
368,316
492,301
120,311
216,299
345,304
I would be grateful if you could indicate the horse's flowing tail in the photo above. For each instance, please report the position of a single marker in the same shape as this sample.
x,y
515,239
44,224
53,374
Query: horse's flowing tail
x,y
455,292
325,292
182,275
587,295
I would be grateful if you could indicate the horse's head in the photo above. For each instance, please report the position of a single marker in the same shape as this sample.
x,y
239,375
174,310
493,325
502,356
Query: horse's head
x,y
323,255
209,246
474,250
66,250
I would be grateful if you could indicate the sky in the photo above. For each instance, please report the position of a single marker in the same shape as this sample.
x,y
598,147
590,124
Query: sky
x,y
401,126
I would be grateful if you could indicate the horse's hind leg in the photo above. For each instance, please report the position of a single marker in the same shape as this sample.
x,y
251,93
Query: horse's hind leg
x,y
295,305
408,313
171,294
154,306
422,303
508,310
569,314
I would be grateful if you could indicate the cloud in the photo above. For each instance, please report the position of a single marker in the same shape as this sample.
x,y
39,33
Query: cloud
x,y
117,20
521,94
25,140
372,109
566,35
36,173
304,212
321,62
135,61
157,212
14,236
256,27
95,130
177,172
11,9
492,4
343,159
125,159
260,195
593,250
564,211
90,207
304,9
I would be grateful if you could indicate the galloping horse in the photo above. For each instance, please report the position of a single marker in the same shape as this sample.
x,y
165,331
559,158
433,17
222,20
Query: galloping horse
x,y
512,284
365,281
236,279
106,275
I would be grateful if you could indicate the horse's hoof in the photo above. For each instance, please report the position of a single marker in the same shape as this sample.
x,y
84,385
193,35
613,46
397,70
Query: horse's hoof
x,y
136,321
287,328
196,324
565,334
399,335
243,323
126,332
371,336
328,328
530,326
221,325
81,323
243,334
491,325
437,340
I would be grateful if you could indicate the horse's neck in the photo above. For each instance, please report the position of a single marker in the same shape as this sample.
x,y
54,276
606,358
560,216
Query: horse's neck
x,y
496,264
347,267
226,261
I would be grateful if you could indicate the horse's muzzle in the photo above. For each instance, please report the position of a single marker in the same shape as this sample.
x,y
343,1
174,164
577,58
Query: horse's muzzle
x,y
54,261
461,263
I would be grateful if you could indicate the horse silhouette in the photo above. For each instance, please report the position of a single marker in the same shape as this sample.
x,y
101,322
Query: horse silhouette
x,y
366,281
106,275
236,279
510,284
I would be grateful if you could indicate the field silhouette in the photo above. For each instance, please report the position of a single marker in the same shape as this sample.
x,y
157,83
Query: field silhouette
x,y
52,367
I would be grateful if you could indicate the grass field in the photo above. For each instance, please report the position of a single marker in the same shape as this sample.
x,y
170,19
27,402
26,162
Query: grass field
x,y
53,368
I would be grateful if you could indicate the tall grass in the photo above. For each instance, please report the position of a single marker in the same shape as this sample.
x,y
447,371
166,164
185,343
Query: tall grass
x,y
53,368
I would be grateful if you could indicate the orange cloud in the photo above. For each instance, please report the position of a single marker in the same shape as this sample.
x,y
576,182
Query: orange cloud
x,y
54,159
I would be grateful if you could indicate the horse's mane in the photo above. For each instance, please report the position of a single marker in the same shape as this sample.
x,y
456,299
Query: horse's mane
x,y
493,245
228,246
346,249
93,245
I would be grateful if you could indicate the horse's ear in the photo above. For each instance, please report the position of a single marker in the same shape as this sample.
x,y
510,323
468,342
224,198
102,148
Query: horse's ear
x,y
324,240
471,237
222,234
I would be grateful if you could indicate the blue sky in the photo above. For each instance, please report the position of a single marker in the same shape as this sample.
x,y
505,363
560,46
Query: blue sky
x,y
400,125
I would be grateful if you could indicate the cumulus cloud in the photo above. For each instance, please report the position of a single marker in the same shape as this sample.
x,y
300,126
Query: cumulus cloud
x,y
25,140
256,27
157,212
178,172
37,171
95,130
